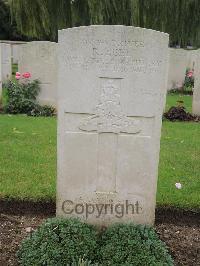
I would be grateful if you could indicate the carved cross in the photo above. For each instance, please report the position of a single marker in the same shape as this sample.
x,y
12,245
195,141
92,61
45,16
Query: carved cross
x,y
109,121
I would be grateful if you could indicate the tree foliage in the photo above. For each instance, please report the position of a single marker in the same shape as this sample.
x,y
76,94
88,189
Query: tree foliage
x,y
8,31
42,18
5,27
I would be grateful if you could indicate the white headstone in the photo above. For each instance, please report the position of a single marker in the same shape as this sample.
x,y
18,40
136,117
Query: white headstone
x,y
15,53
39,58
6,64
177,68
191,59
112,85
0,77
196,92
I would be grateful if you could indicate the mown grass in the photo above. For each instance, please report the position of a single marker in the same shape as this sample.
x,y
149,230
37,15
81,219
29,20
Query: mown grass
x,y
173,98
28,160
179,163
27,157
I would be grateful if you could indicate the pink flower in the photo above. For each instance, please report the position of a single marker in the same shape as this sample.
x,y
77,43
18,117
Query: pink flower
x,y
17,75
190,74
26,75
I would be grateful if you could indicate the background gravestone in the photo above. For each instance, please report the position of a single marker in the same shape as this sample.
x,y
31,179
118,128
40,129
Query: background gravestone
x,y
112,85
6,65
15,53
196,92
39,58
0,76
178,60
191,59
16,45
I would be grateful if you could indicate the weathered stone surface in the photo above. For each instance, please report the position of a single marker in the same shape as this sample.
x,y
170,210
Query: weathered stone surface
x,y
6,65
112,85
196,92
178,59
191,59
0,92
15,53
0,79
39,58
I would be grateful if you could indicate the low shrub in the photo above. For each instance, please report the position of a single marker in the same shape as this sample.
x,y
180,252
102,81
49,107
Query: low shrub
x,y
59,242
129,244
44,110
21,98
185,88
73,243
189,80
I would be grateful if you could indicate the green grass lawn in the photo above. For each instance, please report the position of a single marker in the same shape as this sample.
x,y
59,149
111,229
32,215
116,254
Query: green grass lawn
x,y
173,98
28,159
179,163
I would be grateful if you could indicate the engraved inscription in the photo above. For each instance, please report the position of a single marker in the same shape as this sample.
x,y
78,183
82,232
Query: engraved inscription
x,y
123,43
104,55
109,116
123,62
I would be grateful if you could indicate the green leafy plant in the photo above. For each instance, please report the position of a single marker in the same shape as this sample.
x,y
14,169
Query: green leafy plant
x,y
186,87
44,110
74,243
129,244
189,81
21,98
59,242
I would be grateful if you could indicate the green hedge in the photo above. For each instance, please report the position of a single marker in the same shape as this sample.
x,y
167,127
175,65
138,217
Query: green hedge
x,y
62,242
21,98
59,242
129,244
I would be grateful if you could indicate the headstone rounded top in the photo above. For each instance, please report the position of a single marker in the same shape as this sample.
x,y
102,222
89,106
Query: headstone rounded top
x,y
112,27
39,42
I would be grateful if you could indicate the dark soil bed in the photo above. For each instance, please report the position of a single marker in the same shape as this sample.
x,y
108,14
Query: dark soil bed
x,y
179,114
179,229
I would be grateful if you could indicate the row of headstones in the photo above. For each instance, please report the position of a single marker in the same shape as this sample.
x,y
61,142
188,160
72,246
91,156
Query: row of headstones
x,y
5,64
179,61
9,53
39,58
112,83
